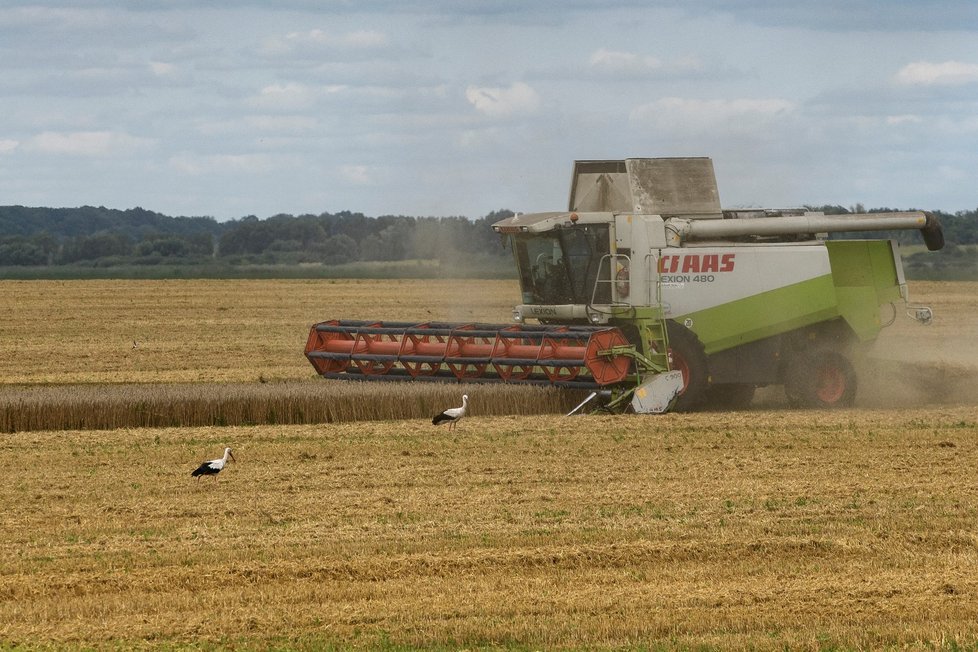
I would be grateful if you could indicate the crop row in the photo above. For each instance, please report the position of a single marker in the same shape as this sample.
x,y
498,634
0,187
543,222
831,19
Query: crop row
x,y
101,407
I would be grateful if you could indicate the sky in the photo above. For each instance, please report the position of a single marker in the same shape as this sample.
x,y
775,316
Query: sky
x,y
439,108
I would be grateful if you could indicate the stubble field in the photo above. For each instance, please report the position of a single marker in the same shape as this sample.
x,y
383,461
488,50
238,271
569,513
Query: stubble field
x,y
765,529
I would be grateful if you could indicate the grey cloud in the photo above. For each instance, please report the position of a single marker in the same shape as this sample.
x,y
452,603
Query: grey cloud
x,y
81,29
225,127
830,15
849,15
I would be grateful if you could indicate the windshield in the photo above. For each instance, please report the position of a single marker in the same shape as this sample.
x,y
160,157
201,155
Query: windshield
x,y
561,267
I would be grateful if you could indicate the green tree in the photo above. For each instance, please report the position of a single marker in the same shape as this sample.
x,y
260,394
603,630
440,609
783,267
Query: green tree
x,y
96,246
337,249
21,251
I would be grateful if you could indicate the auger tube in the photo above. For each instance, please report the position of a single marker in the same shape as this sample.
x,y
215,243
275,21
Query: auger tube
x,y
700,229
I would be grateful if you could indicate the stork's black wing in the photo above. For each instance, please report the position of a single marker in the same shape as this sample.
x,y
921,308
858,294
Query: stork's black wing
x,y
204,469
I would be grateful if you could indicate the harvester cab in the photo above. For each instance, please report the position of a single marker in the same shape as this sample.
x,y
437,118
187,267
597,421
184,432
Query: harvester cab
x,y
737,299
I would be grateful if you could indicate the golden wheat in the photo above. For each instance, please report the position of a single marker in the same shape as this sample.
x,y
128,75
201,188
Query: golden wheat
x,y
66,332
772,529
101,407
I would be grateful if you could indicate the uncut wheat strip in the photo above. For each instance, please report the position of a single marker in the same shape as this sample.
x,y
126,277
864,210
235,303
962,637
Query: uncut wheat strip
x,y
392,401
90,407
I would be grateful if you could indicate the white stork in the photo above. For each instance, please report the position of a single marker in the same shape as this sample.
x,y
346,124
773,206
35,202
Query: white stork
x,y
213,467
451,416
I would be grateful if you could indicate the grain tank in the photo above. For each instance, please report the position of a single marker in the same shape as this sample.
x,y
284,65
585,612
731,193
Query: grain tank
x,y
747,298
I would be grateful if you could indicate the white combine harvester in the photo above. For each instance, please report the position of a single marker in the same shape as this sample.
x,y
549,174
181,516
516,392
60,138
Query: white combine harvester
x,y
650,294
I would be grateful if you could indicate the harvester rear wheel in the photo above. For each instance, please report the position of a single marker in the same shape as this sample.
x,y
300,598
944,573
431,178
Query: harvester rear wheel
x,y
821,378
686,354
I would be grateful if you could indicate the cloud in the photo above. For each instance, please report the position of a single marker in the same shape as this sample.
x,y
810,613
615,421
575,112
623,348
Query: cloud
x,y
845,15
260,125
280,124
262,103
616,63
894,120
519,98
623,62
950,173
197,165
364,39
317,40
69,27
692,115
87,143
287,96
948,73
162,69
356,174
477,138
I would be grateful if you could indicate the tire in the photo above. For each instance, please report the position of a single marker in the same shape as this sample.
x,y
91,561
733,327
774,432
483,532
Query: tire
x,y
729,396
822,378
687,355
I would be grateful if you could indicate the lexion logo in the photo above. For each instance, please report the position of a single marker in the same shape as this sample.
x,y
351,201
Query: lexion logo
x,y
696,263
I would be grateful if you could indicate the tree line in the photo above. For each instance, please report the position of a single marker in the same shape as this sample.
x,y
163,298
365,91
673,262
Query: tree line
x,y
103,237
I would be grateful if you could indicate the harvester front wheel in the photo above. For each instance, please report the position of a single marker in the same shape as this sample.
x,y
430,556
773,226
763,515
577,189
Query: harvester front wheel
x,y
686,354
822,378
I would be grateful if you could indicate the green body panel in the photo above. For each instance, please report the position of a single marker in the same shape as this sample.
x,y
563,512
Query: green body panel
x,y
653,340
765,314
863,278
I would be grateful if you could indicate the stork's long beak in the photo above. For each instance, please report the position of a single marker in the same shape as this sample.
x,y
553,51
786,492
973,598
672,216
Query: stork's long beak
x,y
231,455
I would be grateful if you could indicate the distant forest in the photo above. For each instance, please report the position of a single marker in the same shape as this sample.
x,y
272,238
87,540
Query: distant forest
x,y
106,239
103,237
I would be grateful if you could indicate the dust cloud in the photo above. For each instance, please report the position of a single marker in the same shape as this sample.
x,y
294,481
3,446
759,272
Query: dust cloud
x,y
889,384
913,365
892,384
916,365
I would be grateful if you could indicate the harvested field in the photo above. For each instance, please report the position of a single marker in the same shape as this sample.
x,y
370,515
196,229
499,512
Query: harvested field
x,y
770,528
759,530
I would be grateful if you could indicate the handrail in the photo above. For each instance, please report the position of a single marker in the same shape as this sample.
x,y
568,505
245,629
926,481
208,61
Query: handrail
x,y
652,272
616,292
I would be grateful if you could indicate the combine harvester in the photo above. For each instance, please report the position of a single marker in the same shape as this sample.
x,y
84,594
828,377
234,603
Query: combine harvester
x,y
653,297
